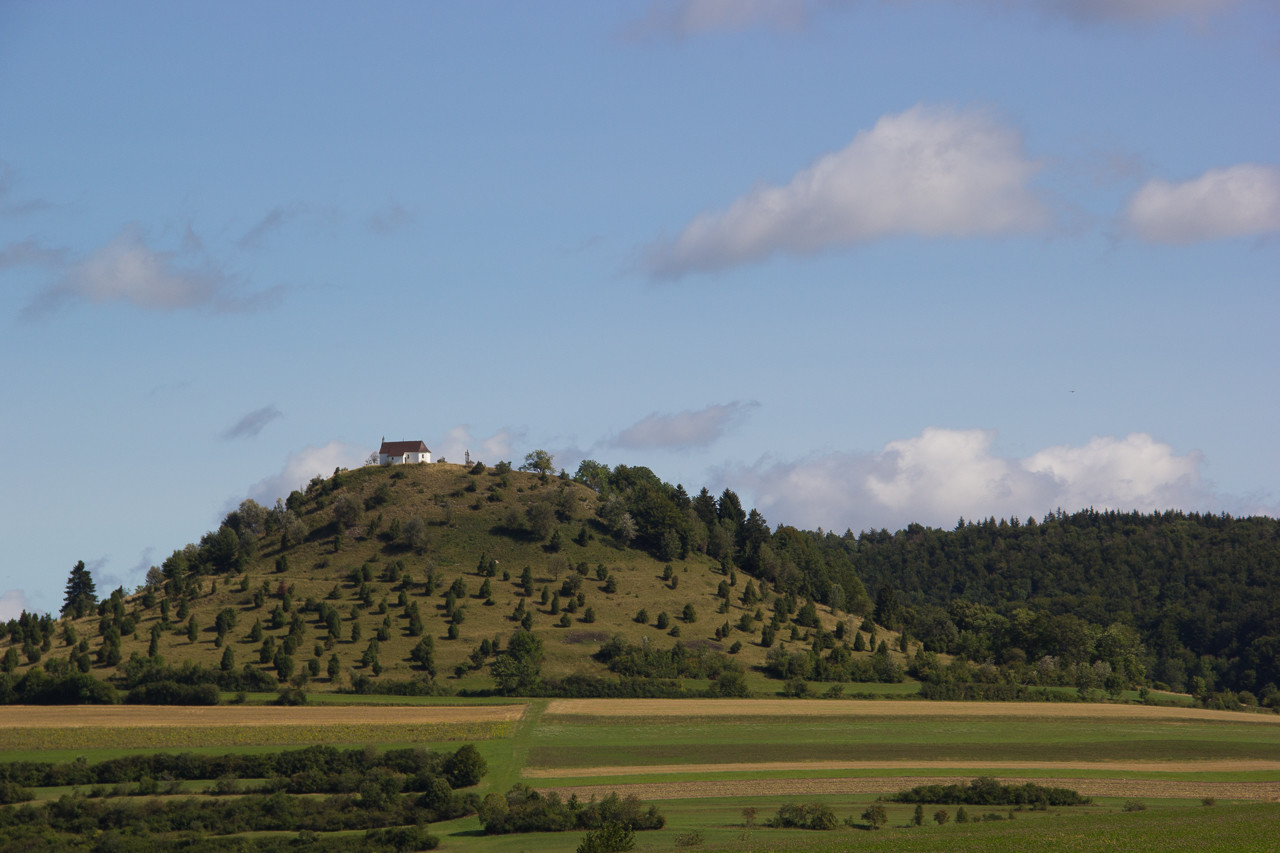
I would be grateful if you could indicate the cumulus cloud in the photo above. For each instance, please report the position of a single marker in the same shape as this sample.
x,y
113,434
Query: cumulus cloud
x,y
683,430
941,474
12,603
928,171
1232,202
252,423
459,440
305,464
128,270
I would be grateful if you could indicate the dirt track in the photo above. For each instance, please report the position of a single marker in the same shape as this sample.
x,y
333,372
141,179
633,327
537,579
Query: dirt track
x,y
1137,788
885,708
129,716
1218,766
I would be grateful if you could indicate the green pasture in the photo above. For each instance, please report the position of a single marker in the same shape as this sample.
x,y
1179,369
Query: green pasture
x,y
576,741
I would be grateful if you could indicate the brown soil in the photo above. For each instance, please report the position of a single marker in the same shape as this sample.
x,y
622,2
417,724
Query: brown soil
x,y
1219,766
125,716
884,708
1136,788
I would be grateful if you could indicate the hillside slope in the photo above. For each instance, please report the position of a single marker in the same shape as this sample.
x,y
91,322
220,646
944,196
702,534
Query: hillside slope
x,y
343,582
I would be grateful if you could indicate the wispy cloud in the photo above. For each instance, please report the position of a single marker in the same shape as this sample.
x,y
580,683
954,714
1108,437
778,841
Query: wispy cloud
x,y
305,464
12,603
683,430
129,271
694,17
685,18
459,440
1137,10
269,224
30,252
10,206
253,423
391,218
1236,201
942,474
932,172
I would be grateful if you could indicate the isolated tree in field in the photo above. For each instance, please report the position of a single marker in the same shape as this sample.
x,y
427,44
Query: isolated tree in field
x,y
917,818
941,816
612,837
539,462
520,666
81,594
876,816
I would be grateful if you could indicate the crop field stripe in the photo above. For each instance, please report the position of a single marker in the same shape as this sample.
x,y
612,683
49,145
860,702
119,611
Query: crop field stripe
x,y
1155,788
184,716
791,766
611,708
146,736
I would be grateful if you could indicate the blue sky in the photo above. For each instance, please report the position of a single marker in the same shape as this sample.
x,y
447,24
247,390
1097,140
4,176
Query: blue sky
x,y
864,262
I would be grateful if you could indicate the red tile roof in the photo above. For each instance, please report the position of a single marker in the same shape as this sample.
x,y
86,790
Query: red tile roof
x,y
399,448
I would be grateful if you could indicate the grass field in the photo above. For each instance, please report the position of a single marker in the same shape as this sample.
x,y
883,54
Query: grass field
x,y
704,762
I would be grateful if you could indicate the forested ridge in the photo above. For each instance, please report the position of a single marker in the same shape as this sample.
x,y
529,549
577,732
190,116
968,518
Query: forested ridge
x,y
1202,592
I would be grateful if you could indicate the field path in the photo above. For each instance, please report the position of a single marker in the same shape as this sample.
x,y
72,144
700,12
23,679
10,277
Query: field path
x,y
130,716
886,708
1208,766
1136,788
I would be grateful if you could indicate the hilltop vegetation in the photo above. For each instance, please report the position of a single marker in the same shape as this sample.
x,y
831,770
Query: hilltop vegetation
x,y
470,579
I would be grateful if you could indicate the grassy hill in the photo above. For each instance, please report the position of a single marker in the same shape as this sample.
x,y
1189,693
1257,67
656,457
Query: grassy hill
x,y
373,543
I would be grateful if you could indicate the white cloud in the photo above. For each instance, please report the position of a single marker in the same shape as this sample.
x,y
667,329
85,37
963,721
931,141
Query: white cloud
x,y
1232,202
305,464
928,171
253,423
12,603
491,450
128,270
683,430
941,474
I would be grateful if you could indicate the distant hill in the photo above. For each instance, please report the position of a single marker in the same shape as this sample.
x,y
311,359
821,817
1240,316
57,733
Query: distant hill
x,y
459,556
422,577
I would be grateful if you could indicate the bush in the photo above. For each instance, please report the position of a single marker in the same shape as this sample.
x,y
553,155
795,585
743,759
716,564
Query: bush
x,y
611,838
804,816
172,693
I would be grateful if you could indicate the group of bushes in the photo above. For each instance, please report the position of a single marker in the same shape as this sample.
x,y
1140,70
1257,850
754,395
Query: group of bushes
x,y
300,770
985,791
523,809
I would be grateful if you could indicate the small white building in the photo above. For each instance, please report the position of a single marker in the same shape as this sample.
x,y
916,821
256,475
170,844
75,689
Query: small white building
x,y
403,452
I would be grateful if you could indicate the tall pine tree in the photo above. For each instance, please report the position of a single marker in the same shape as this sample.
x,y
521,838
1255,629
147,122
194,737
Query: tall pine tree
x,y
81,594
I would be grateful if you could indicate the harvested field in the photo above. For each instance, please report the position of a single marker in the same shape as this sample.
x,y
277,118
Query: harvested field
x,y
1242,765
1135,788
885,708
131,716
